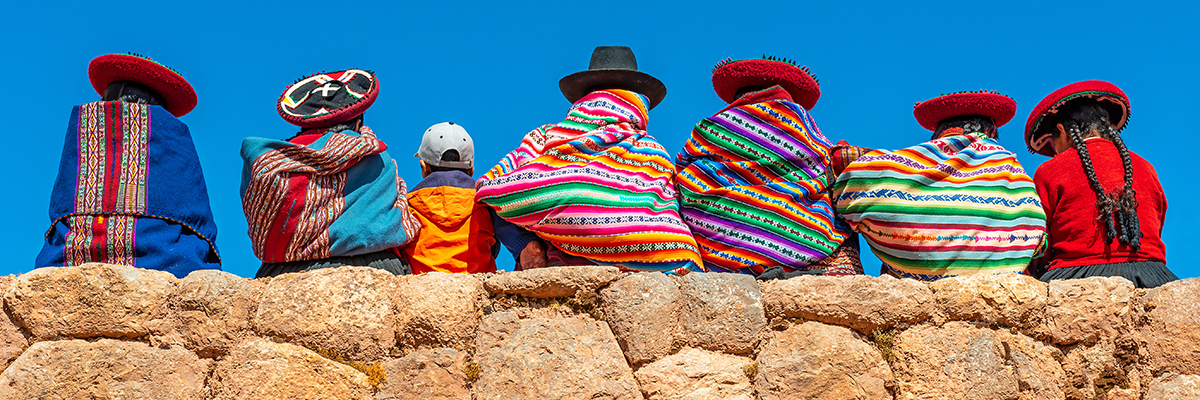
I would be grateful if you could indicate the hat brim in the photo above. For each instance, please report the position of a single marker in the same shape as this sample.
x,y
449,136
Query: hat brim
x,y
334,116
998,107
1111,97
176,91
579,84
729,78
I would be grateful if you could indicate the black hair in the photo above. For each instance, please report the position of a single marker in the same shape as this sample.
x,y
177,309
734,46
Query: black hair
x,y
448,155
969,124
1118,210
351,125
133,92
747,89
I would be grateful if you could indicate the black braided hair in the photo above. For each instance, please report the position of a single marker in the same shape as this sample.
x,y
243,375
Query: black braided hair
x,y
1118,210
969,124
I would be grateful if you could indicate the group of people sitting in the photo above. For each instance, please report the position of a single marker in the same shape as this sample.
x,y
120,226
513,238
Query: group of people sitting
x,y
756,189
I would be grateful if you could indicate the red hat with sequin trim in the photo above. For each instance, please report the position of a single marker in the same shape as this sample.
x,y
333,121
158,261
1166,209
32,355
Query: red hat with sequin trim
x,y
1037,137
176,92
799,82
998,107
328,98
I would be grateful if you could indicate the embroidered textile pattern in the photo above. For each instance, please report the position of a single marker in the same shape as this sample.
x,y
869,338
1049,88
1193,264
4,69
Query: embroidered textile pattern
x,y
951,206
597,186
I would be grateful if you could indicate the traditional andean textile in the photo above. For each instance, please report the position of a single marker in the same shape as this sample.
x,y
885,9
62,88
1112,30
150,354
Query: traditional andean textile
x,y
596,185
952,206
130,191
753,187
323,195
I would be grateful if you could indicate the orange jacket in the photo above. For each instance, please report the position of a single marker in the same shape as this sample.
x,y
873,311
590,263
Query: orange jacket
x,y
456,233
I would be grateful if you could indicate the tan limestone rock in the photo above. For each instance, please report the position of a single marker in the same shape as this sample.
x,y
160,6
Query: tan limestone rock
x,y
209,311
863,303
643,311
695,374
813,360
1086,310
263,370
721,312
1013,300
347,310
105,369
12,338
438,309
1173,386
544,283
90,300
1103,367
1170,328
550,358
431,374
962,361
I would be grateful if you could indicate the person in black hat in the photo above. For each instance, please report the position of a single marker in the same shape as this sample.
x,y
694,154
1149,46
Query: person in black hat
x,y
594,188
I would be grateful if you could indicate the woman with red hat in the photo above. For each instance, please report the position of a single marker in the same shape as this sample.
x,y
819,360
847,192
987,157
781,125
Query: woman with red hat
x,y
1105,208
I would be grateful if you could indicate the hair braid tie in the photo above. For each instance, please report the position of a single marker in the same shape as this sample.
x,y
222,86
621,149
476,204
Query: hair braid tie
x,y
1104,203
1130,226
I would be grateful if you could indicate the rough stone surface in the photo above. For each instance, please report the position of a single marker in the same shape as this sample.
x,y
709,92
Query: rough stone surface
x,y
1009,299
345,309
438,309
105,369
1084,310
863,303
431,374
1174,387
695,374
813,360
962,361
643,311
544,358
1091,371
1170,331
12,339
721,312
544,283
263,370
92,300
209,311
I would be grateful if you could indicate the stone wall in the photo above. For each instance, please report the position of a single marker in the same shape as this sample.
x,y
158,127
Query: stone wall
x,y
114,332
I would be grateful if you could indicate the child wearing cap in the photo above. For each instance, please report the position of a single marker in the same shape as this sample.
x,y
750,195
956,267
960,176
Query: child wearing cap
x,y
456,232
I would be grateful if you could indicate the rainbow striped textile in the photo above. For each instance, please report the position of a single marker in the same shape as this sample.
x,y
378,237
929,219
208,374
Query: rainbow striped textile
x,y
952,206
753,186
597,186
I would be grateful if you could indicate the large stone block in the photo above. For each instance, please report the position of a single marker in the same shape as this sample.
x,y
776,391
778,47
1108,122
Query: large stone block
x,y
1009,299
722,312
345,309
813,360
209,311
438,309
1174,387
12,338
430,374
105,369
1086,310
1100,368
643,311
962,361
863,303
1170,329
263,370
695,374
550,358
544,283
92,300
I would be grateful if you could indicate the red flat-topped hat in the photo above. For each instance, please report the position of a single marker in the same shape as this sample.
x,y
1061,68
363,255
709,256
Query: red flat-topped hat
x,y
991,104
328,98
178,94
799,82
1109,96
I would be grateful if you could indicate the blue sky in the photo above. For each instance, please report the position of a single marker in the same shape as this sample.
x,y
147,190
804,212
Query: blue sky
x,y
494,67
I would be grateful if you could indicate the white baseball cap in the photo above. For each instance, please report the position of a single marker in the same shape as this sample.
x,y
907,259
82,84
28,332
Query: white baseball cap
x,y
443,137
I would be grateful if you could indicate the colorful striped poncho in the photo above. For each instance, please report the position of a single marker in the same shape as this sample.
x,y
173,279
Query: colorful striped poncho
x,y
597,186
951,206
753,187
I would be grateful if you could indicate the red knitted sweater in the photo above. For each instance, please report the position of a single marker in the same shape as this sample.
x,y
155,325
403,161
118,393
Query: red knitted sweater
x,y
1076,237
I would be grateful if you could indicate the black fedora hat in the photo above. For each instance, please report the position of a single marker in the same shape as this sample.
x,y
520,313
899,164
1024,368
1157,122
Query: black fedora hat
x,y
612,67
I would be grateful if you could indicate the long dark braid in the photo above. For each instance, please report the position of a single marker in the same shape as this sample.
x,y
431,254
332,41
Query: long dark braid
x,y
1131,232
1117,210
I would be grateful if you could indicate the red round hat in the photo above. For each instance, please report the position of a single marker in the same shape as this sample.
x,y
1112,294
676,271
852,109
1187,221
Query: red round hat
x,y
328,98
1107,94
176,91
729,76
991,104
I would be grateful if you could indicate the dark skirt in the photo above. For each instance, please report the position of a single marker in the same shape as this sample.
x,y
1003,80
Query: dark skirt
x,y
1143,274
385,260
